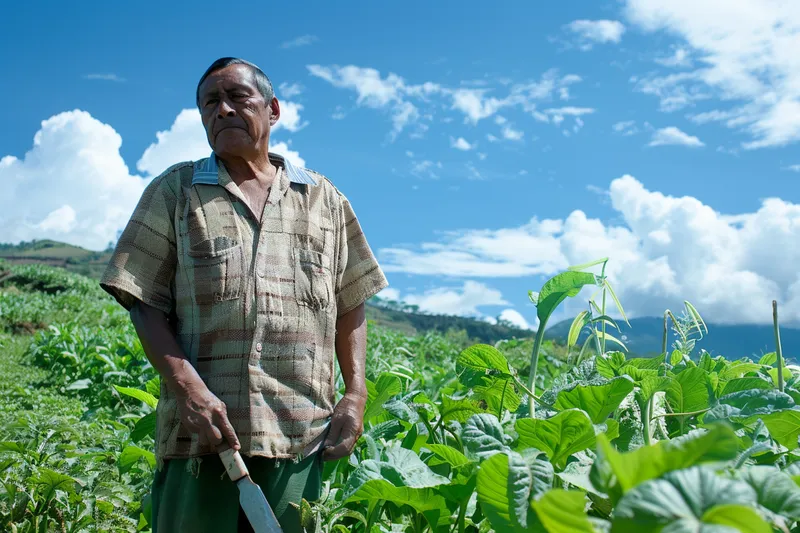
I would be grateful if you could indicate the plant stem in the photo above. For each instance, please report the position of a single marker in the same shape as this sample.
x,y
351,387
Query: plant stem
x,y
374,515
644,413
664,337
778,351
537,344
701,411
502,400
649,417
603,306
462,513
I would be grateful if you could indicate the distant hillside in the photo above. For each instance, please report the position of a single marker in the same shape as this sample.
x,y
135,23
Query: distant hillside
x,y
91,264
54,253
644,337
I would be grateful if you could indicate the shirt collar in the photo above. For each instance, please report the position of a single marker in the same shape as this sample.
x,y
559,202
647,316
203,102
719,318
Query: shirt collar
x,y
207,171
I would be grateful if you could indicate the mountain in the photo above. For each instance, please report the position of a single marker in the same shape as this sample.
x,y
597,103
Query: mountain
x,y
644,337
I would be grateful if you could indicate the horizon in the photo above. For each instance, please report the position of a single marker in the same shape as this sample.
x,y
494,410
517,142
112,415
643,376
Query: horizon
x,y
646,131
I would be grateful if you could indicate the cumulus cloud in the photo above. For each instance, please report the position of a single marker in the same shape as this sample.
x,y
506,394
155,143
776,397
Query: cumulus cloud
x,y
516,318
625,127
465,300
793,168
83,190
666,249
673,136
461,144
290,90
749,65
591,32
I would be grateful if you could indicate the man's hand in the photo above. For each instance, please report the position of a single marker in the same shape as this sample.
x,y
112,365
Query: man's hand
x,y
201,412
205,414
347,424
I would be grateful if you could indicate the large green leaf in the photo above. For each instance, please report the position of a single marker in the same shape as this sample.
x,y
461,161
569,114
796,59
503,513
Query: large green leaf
x,y
748,383
460,409
630,469
425,501
598,401
562,511
541,470
402,468
557,289
650,385
145,426
741,405
479,361
501,488
379,393
450,455
49,481
138,394
775,490
783,426
568,432
498,394
483,436
688,392
695,500
131,455
609,365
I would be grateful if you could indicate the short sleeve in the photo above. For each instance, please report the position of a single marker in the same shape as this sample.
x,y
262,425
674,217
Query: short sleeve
x,y
359,276
142,266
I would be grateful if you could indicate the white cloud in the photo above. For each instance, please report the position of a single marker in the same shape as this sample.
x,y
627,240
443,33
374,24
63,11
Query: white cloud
x,y
666,249
84,190
747,49
590,32
184,141
283,149
105,77
461,144
516,318
673,136
403,100
625,127
793,168
463,301
303,40
287,90
681,57
82,187
426,169
511,134
290,117
492,138
389,293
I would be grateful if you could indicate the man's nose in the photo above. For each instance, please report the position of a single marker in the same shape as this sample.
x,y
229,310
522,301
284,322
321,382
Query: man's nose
x,y
225,109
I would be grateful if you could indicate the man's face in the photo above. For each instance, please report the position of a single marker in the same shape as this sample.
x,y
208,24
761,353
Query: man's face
x,y
236,117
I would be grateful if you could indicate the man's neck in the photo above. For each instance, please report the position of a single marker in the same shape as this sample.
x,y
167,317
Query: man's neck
x,y
259,168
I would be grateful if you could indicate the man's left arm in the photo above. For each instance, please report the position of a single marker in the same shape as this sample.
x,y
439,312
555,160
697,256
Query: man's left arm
x,y
347,422
358,277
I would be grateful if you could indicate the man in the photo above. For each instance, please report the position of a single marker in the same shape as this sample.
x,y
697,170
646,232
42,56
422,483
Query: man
x,y
244,274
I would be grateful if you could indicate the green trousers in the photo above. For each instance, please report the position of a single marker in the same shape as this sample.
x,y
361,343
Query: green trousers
x,y
188,497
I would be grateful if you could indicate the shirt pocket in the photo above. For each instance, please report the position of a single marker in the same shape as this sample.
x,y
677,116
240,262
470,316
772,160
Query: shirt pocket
x,y
217,267
312,278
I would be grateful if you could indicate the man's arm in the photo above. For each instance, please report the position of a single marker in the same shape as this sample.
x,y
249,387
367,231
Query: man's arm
x,y
347,422
201,412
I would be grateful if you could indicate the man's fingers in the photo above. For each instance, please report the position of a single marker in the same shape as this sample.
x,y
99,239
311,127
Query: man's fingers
x,y
229,432
213,435
342,449
335,432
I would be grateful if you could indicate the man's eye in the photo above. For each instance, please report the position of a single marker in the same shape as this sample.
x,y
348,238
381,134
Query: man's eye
x,y
211,101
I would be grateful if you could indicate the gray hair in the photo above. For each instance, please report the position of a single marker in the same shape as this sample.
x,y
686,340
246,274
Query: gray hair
x,y
262,81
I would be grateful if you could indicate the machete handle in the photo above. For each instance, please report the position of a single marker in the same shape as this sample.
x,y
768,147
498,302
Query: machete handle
x,y
233,462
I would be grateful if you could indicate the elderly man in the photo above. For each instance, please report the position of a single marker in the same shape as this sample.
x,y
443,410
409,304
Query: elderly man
x,y
244,275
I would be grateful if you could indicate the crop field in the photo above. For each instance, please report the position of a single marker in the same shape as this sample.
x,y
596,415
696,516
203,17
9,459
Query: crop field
x,y
520,436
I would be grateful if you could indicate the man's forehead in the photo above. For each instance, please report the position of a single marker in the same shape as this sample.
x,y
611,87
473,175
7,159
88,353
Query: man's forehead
x,y
229,77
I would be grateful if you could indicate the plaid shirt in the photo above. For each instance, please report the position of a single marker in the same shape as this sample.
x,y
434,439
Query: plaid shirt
x,y
254,304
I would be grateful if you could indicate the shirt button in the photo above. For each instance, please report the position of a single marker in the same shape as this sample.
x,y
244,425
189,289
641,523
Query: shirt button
x,y
258,347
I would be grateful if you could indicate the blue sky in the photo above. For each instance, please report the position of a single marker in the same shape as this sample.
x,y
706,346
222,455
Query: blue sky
x,y
483,148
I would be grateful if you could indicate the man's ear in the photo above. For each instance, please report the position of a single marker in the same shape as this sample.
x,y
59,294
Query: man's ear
x,y
275,111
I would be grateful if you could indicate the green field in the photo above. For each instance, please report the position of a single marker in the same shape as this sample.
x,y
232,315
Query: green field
x,y
458,435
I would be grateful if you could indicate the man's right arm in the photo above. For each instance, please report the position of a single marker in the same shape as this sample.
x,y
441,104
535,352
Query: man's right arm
x,y
201,411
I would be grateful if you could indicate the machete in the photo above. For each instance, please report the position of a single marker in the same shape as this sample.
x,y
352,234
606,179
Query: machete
x,y
251,497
